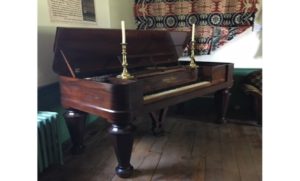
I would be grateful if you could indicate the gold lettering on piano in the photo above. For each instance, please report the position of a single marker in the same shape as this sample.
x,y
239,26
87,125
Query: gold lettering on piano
x,y
169,79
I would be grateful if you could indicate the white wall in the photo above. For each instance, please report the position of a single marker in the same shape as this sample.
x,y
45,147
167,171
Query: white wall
x,y
122,10
244,51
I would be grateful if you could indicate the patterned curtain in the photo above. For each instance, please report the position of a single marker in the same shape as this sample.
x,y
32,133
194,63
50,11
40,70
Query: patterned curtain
x,y
217,21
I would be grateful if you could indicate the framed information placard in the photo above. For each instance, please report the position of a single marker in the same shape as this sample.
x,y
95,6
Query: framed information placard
x,y
72,11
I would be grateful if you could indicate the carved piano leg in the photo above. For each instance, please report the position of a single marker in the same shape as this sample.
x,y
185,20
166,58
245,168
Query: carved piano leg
x,y
123,140
222,100
157,118
76,124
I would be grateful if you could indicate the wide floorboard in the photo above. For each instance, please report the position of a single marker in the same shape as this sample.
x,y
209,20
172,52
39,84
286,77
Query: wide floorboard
x,y
191,149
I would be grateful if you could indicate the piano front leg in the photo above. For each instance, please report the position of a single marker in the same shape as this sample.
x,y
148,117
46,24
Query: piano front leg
x,y
75,120
122,135
222,101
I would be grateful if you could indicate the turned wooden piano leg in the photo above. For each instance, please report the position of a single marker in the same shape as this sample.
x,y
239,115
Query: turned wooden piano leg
x,y
76,124
123,140
157,118
222,101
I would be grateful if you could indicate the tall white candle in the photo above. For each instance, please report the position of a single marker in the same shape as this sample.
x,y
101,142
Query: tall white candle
x,y
193,32
123,31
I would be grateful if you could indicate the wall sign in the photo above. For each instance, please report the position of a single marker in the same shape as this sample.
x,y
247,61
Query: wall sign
x,y
72,11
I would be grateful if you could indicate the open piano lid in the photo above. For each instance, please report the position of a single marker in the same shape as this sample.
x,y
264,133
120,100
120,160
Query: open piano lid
x,y
92,51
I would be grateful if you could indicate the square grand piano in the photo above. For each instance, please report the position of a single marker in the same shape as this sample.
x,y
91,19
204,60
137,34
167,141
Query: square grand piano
x,y
88,62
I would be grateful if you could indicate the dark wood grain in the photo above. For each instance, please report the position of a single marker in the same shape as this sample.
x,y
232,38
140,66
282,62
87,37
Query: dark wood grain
x,y
229,163
83,47
213,166
255,144
122,135
222,101
94,57
199,151
75,120
176,162
155,158
245,161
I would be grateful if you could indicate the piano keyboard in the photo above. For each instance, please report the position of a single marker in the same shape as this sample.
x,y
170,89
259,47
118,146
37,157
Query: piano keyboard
x,y
177,91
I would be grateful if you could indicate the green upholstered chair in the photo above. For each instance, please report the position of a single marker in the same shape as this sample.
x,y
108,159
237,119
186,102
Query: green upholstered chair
x,y
252,86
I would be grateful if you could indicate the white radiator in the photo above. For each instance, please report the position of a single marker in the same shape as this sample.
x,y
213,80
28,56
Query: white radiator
x,y
49,146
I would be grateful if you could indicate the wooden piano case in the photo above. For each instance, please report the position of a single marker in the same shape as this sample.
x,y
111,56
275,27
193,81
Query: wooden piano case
x,y
88,61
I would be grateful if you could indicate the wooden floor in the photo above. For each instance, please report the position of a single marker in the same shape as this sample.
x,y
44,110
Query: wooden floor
x,y
191,149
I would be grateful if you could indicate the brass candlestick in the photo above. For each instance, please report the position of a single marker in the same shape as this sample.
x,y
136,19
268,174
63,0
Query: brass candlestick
x,y
125,74
193,62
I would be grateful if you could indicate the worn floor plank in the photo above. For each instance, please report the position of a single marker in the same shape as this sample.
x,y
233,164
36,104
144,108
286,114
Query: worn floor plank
x,y
199,152
191,149
213,166
255,144
229,163
177,162
244,158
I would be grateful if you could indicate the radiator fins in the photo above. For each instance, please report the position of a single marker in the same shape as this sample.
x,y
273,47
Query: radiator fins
x,y
49,146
